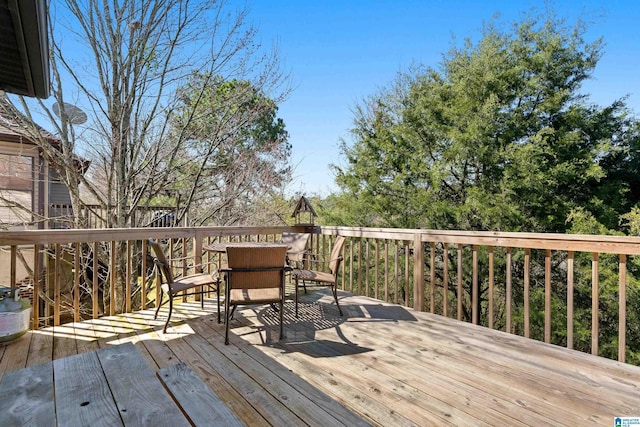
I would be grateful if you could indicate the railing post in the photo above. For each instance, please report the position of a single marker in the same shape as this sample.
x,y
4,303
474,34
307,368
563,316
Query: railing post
x,y
418,273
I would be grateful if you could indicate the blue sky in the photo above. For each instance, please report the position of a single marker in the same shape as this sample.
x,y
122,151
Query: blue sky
x,y
339,52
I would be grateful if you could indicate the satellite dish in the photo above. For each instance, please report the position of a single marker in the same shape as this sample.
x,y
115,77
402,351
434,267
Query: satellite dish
x,y
74,114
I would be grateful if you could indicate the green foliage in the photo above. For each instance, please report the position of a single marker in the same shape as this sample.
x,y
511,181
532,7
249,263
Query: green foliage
x,y
498,137
235,147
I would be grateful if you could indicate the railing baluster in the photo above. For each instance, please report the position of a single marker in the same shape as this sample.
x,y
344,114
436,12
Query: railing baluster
x,y
377,270
351,260
547,296
396,275
475,297
432,278
95,286
509,292
36,286
359,270
527,271
76,281
13,267
366,267
445,280
570,266
622,308
128,278
56,286
406,274
594,303
491,284
143,272
460,281
386,270
418,273
112,277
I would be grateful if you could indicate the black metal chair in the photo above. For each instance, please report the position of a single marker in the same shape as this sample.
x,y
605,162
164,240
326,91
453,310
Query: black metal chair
x,y
200,283
322,278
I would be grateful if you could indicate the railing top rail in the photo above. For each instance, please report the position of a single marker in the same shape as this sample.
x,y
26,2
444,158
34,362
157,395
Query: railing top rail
x,y
566,242
30,237
555,241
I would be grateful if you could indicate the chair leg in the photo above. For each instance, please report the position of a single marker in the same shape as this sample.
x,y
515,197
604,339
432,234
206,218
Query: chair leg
x,y
335,297
155,316
164,330
218,298
226,318
281,318
296,297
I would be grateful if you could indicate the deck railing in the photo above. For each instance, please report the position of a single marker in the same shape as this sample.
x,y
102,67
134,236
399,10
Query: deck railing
x,y
569,290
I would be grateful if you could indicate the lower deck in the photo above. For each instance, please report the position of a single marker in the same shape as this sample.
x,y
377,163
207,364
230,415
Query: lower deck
x,y
380,363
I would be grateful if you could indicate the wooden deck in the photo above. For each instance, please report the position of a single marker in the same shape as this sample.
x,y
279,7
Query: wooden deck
x,y
387,364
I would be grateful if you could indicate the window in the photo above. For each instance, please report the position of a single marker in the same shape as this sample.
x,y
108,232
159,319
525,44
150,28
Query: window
x,y
16,189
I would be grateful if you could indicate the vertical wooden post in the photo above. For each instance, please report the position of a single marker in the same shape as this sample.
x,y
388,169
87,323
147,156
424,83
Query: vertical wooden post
x,y
432,278
406,274
595,306
95,283
76,281
509,292
366,268
459,281
36,286
112,276
396,274
570,261
13,267
143,285
547,296
197,259
475,292
418,273
445,280
127,301
351,265
622,309
377,269
491,284
527,270
386,270
56,285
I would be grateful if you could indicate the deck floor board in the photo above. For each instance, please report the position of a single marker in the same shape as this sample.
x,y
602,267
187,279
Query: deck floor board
x,y
381,364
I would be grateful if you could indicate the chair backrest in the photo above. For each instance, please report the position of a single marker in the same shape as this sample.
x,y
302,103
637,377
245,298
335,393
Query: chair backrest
x,y
161,260
297,243
336,252
256,267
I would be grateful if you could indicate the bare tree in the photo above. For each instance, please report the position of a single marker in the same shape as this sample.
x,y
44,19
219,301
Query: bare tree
x,y
124,64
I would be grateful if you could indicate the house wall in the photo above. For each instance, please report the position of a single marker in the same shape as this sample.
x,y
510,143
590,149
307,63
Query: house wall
x,y
11,217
